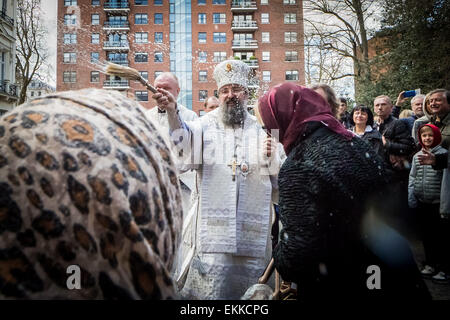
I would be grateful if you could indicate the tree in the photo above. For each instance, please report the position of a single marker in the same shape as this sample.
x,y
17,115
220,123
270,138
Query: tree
x,y
416,47
342,26
31,51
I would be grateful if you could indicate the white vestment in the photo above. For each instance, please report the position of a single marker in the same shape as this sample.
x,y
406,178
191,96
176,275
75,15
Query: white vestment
x,y
226,234
162,123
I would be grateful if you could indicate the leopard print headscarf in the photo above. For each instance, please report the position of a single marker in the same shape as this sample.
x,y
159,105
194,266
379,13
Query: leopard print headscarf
x,y
86,182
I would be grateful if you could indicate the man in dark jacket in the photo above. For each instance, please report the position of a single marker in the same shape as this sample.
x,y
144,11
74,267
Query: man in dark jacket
x,y
399,148
397,142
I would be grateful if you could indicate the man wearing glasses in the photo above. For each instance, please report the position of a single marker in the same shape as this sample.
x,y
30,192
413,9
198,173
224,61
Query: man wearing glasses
x,y
226,234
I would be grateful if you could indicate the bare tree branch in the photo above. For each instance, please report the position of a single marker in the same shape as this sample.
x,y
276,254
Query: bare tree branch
x,y
31,52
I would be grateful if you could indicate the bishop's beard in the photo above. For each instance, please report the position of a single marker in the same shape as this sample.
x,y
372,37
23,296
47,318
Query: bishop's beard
x,y
233,111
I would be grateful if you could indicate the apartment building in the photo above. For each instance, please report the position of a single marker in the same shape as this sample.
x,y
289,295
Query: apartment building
x,y
38,88
187,37
8,89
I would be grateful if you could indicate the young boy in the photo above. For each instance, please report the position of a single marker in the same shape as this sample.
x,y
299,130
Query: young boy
x,y
424,190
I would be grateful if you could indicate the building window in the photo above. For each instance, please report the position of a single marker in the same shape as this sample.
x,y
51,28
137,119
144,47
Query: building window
x,y
265,37
264,2
291,56
144,74
140,18
266,76
202,18
95,38
220,37
95,76
69,76
95,19
158,18
95,56
290,18
95,2
220,56
265,18
39,93
141,95
219,18
201,2
141,57
289,1
157,73
291,75
202,37
203,76
290,37
70,19
32,93
141,2
158,57
266,56
158,2
70,38
70,3
141,37
158,37
219,2
202,56
202,95
70,57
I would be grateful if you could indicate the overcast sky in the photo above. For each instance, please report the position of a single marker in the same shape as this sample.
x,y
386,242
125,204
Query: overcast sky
x,y
49,14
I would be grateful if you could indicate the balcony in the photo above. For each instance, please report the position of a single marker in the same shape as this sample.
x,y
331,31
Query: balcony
x,y
116,45
120,62
252,63
243,6
116,25
6,18
253,83
10,91
116,6
116,84
244,44
244,25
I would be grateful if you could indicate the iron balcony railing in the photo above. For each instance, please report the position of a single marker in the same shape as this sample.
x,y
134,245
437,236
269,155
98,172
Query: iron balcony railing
x,y
117,24
252,63
121,62
245,43
11,90
244,24
116,5
116,44
240,4
5,17
116,84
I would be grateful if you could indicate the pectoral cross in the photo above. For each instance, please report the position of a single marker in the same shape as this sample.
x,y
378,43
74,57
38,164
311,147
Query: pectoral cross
x,y
233,164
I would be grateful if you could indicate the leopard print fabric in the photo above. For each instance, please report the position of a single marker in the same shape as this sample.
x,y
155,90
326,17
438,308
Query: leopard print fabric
x,y
86,180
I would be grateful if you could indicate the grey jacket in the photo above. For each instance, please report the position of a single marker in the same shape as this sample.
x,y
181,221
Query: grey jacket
x,y
424,181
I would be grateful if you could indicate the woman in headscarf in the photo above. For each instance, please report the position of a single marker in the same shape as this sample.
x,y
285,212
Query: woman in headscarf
x,y
90,206
329,186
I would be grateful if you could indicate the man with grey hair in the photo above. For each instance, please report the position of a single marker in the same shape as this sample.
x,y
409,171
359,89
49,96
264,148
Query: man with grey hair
x,y
168,81
211,104
416,107
226,235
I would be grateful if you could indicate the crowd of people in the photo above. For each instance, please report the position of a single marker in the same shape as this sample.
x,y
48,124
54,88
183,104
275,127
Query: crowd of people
x,y
163,204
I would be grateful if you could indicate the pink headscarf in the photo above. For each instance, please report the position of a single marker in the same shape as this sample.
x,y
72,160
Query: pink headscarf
x,y
289,107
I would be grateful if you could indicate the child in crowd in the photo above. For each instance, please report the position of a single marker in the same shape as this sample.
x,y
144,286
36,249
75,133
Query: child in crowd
x,y
424,190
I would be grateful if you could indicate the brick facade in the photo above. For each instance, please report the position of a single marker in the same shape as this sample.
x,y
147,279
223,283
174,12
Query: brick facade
x,y
84,9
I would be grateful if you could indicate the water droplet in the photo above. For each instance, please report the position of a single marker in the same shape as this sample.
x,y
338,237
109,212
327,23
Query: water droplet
x,y
367,155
